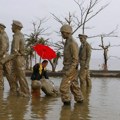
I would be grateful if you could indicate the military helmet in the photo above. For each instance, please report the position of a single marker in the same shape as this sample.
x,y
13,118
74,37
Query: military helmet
x,y
82,35
17,23
66,28
2,25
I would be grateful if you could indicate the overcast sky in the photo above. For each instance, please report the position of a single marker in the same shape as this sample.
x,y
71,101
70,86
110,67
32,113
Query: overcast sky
x,y
27,11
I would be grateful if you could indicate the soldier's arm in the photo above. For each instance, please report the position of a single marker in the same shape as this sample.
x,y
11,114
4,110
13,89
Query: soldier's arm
x,y
4,46
15,45
74,53
88,50
79,55
22,46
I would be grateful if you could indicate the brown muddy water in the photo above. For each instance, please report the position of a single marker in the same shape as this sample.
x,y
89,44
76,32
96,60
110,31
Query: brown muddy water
x,y
102,102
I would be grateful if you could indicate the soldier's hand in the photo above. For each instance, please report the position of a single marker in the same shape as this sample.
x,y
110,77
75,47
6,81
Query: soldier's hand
x,y
86,67
67,73
2,61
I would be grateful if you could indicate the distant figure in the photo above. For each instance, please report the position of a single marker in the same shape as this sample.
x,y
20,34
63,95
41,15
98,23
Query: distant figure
x,y
18,63
84,60
70,68
4,48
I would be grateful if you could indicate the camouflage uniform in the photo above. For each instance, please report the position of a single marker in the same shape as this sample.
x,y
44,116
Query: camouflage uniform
x,y
69,80
4,47
84,59
18,67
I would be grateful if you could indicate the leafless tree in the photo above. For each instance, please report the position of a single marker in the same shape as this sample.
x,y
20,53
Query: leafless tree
x,y
104,47
87,11
34,38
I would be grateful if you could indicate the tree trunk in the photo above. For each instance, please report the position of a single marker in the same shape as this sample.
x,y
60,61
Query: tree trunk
x,y
53,66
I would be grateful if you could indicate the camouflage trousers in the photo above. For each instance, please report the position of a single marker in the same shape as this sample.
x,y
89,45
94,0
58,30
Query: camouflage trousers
x,y
5,69
70,83
84,76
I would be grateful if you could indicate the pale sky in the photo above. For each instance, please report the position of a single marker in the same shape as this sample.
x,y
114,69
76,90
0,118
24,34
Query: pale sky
x,y
27,11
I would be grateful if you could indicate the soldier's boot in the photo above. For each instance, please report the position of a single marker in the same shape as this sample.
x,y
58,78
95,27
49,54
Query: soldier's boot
x,y
67,102
80,101
14,88
23,93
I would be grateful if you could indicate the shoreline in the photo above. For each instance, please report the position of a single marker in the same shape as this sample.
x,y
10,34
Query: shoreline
x,y
93,73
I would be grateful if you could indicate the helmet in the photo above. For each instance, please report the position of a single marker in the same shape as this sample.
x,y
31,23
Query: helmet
x,y
82,35
2,25
17,23
66,28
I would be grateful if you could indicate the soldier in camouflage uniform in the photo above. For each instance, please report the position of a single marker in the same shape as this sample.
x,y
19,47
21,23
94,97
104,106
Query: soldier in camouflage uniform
x,y
70,69
18,63
84,60
4,47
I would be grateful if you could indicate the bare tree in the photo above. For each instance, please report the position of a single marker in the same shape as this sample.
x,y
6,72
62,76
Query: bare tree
x,y
54,62
104,47
34,38
88,10
105,53
86,13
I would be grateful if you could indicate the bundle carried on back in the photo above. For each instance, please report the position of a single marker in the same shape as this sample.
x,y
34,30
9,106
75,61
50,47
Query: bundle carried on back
x,y
48,87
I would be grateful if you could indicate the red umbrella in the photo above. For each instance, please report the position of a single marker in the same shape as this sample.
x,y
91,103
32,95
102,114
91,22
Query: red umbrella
x,y
44,51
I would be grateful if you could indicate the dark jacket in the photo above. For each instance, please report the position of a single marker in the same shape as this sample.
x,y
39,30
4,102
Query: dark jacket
x,y
36,73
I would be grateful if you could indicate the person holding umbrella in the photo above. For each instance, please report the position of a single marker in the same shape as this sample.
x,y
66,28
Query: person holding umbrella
x,y
39,81
40,75
39,71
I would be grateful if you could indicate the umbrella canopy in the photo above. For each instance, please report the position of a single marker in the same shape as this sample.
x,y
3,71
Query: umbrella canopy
x,y
44,51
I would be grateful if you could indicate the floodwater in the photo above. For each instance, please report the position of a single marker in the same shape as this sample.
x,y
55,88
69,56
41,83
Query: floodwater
x,y
102,102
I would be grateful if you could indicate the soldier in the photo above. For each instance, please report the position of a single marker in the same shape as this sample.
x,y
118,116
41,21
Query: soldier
x,y
18,67
70,69
4,48
84,60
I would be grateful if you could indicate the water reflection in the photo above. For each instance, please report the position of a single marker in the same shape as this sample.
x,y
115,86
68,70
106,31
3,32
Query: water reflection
x,y
2,106
101,103
40,107
12,108
79,111
104,100
65,113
